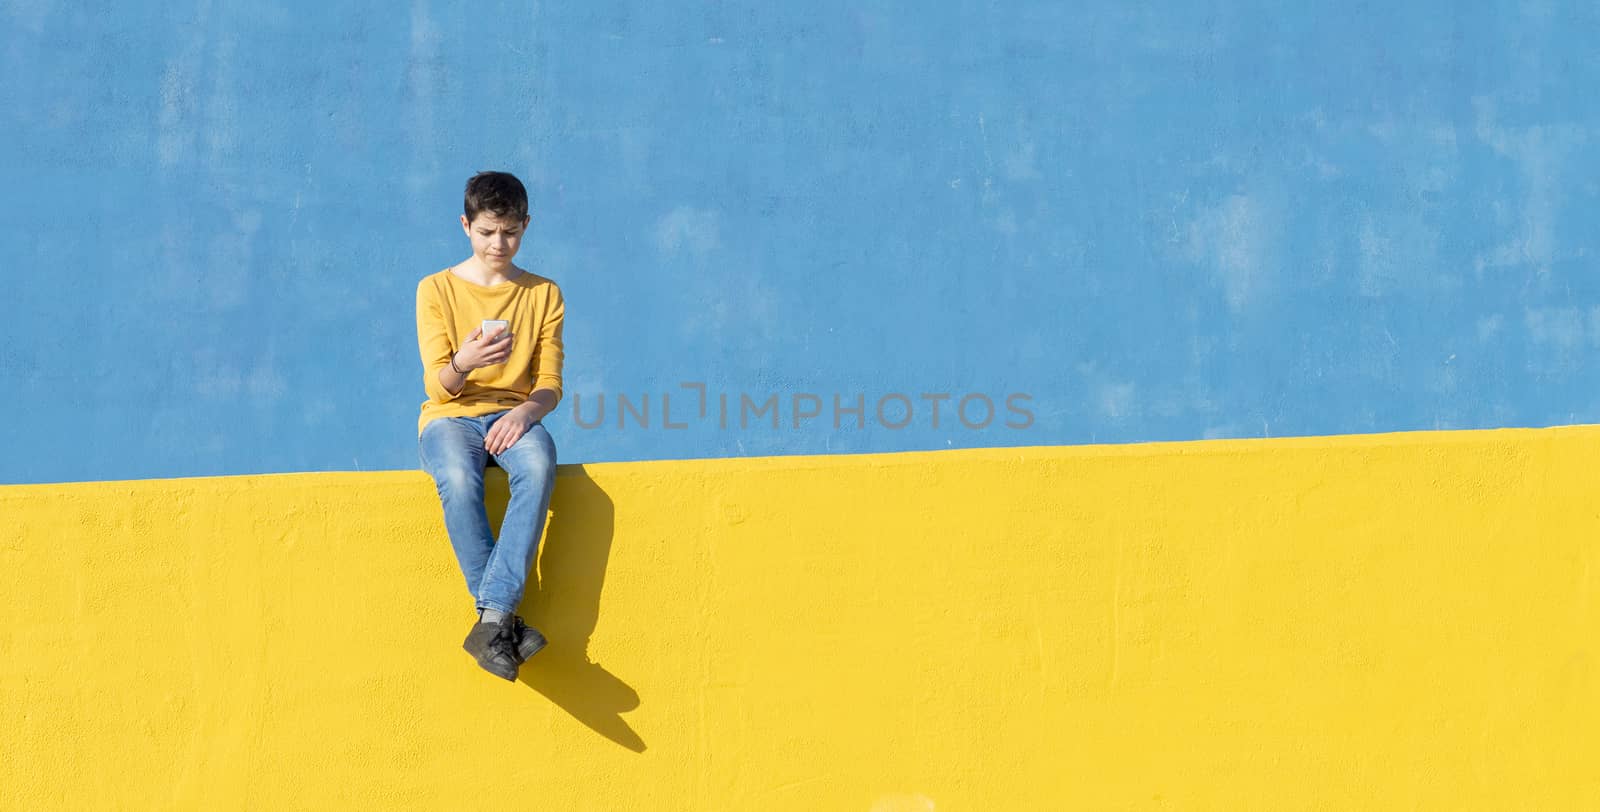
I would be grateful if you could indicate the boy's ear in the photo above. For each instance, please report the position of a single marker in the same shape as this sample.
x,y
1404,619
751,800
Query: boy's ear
x,y
465,226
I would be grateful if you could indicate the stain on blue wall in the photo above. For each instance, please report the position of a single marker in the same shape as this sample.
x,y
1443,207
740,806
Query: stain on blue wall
x,y
1209,219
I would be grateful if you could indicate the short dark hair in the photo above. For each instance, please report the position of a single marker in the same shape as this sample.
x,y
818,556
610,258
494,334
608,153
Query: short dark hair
x,y
498,193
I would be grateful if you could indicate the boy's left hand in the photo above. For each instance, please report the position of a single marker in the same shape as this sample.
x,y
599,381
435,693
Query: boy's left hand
x,y
507,431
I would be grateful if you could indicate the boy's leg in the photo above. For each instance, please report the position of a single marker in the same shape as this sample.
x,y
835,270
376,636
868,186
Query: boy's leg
x,y
530,466
452,453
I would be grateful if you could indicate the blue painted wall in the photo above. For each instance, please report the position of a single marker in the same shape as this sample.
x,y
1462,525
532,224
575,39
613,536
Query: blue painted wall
x,y
1212,219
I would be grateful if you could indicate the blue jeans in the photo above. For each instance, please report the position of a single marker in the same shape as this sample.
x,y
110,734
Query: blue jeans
x,y
452,453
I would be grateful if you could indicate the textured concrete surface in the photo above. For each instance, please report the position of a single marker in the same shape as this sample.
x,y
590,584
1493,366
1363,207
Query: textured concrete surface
x,y
1168,221
1344,623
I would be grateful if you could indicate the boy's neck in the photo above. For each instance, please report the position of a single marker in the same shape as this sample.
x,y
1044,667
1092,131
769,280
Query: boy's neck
x,y
479,274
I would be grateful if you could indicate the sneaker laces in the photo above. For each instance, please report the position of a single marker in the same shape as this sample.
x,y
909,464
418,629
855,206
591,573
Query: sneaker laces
x,y
506,638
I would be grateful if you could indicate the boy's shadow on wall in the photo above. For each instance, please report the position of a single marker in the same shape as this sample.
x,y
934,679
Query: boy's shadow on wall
x,y
566,605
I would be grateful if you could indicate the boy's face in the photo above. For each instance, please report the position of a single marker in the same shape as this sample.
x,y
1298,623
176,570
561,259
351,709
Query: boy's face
x,y
495,240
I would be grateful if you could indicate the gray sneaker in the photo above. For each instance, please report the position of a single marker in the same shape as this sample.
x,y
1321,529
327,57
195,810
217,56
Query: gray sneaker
x,y
494,646
529,640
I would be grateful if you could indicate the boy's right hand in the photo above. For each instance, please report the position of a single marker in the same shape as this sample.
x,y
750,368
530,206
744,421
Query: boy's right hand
x,y
480,350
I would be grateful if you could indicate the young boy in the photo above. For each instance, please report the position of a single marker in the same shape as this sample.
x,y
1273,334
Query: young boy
x,y
489,387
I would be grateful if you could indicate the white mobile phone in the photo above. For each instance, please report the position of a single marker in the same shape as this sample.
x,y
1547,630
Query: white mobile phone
x,y
492,326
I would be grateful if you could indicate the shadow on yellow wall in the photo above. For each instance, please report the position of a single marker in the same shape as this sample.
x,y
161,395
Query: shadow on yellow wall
x,y
563,599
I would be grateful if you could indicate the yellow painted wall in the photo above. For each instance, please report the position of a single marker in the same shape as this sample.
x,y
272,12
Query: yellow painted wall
x,y
1366,622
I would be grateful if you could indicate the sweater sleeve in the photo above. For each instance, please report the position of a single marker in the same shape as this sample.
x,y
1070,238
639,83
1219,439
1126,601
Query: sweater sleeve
x,y
433,342
548,360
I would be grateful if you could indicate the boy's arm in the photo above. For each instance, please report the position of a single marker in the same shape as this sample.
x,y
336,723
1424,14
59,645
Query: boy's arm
x,y
551,354
433,343
546,364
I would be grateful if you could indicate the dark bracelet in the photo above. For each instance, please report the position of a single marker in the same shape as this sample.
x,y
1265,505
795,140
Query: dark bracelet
x,y
453,365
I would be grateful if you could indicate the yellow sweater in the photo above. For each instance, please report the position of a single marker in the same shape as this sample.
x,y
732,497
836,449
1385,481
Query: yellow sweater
x,y
449,308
